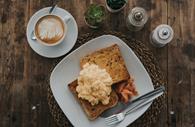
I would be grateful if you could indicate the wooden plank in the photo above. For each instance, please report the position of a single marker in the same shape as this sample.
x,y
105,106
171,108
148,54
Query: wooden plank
x,y
1,30
157,11
181,63
6,77
36,78
23,77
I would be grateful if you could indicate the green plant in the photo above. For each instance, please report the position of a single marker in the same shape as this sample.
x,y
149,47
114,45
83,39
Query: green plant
x,y
116,4
95,15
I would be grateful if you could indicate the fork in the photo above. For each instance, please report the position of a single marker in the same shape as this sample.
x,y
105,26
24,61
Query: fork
x,y
144,100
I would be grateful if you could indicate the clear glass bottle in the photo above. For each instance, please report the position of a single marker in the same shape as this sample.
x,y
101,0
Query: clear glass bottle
x,y
161,35
136,19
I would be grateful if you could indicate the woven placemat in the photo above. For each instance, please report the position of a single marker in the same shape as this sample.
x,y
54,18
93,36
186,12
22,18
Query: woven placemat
x,y
150,63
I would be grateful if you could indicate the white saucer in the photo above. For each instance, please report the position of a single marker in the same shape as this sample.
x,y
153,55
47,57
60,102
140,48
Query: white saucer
x,y
58,50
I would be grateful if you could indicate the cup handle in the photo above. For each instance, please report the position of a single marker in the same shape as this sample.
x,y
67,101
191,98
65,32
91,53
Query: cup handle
x,y
67,18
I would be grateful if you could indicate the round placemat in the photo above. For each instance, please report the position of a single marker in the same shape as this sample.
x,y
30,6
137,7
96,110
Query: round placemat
x,y
149,62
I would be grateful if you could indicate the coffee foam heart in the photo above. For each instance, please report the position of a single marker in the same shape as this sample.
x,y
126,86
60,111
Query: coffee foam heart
x,y
50,29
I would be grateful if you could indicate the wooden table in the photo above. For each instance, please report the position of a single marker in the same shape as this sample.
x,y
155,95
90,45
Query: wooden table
x,y
24,74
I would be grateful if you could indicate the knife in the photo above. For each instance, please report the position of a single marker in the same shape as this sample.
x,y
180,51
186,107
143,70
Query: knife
x,y
146,98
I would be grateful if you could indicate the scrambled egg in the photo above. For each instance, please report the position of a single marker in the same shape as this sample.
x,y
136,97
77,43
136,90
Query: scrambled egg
x,y
94,84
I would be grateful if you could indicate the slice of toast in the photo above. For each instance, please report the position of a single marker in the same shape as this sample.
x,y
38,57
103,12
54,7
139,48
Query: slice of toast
x,y
110,59
93,112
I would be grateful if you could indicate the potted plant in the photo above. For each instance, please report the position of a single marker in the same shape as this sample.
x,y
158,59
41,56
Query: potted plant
x,y
95,15
115,5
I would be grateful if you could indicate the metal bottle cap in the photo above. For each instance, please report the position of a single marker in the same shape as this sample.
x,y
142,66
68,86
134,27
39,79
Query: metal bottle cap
x,y
138,16
164,33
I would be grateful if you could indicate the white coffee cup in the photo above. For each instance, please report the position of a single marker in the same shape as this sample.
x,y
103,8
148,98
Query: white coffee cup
x,y
41,30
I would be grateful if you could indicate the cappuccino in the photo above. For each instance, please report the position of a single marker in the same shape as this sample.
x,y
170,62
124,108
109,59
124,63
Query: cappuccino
x,y
50,29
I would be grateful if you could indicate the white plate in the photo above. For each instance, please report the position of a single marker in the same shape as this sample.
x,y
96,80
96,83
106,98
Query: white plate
x,y
68,70
58,50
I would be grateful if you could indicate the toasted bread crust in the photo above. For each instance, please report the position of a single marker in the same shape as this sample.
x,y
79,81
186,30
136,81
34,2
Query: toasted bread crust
x,y
93,112
110,59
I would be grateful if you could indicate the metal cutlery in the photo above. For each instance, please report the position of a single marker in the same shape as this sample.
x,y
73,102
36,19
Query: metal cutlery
x,y
52,8
143,100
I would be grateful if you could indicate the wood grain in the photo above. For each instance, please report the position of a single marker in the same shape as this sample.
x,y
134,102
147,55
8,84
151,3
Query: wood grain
x,y
24,74
181,63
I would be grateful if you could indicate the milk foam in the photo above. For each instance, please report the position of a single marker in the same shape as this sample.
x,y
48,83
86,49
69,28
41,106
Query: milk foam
x,y
50,28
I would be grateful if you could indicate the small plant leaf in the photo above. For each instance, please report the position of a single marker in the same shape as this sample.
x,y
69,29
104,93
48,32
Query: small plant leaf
x,y
95,14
